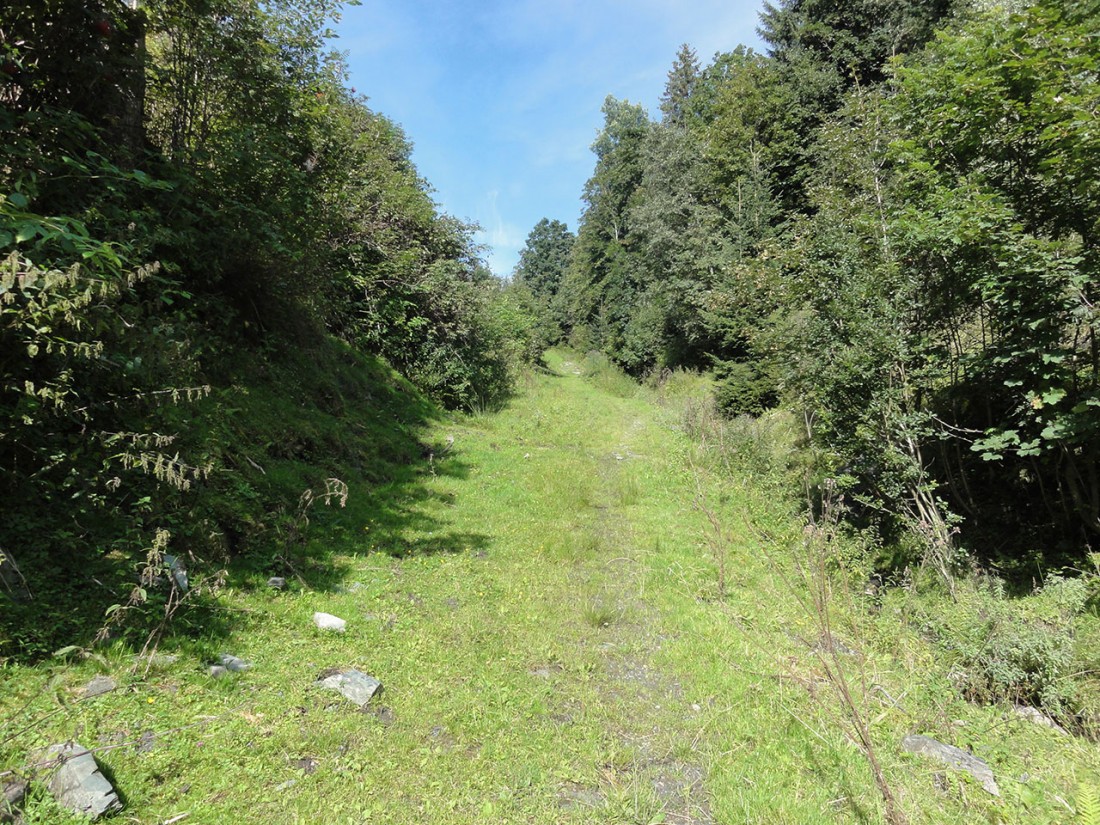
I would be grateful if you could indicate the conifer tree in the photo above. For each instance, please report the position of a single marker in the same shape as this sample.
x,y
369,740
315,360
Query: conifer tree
x,y
682,78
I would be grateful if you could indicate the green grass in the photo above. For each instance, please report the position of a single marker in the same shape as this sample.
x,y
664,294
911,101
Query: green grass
x,y
541,606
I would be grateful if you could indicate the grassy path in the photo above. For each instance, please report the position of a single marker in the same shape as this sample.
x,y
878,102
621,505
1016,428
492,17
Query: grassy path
x,y
542,612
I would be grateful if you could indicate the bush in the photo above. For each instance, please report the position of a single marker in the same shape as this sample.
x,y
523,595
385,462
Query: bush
x,y
1019,650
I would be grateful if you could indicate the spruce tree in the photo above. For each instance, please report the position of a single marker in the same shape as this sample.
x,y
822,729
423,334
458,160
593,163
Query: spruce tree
x,y
682,78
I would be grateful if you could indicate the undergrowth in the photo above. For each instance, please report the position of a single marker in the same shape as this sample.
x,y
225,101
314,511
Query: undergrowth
x,y
284,422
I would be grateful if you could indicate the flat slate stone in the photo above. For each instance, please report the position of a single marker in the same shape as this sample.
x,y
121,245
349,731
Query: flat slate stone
x,y
952,757
78,784
326,621
354,685
98,686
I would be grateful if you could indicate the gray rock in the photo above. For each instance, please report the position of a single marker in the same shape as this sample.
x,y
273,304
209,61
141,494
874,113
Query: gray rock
x,y
232,663
179,575
1037,717
78,784
157,659
353,685
98,686
277,582
952,757
217,672
326,621
15,791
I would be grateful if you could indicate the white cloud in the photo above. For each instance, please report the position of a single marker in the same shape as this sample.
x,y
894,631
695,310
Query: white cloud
x,y
504,239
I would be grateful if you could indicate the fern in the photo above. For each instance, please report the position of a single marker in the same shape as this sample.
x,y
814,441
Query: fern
x,y
1088,805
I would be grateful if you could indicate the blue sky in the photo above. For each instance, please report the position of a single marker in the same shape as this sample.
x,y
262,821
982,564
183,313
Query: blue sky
x,y
502,99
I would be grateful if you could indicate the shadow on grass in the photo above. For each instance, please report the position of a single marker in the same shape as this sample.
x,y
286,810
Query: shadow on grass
x,y
279,425
400,520
836,768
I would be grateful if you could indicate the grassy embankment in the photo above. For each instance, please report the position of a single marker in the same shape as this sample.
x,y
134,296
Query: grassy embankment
x,y
541,603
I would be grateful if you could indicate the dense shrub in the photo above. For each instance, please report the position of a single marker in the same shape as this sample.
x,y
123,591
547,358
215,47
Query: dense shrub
x,y
1020,650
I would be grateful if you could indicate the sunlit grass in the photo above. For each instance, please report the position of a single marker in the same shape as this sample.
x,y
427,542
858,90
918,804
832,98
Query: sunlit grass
x,y
544,620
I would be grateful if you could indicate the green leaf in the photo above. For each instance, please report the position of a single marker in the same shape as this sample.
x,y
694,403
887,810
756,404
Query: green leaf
x,y
1053,396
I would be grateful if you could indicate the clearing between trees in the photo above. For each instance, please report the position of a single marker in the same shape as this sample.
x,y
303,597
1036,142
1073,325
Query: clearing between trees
x,y
545,613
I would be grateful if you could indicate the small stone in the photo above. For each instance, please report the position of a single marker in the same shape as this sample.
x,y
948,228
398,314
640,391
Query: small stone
x,y
277,582
179,575
953,757
385,715
1037,717
326,621
98,686
232,663
217,671
78,784
15,792
353,685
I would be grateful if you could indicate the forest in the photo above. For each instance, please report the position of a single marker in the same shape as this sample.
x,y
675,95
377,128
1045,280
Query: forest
x,y
820,357
191,225
886,225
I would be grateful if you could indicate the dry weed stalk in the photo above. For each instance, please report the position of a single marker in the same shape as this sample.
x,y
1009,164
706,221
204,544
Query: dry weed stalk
x,y
812,588
293,529
716,537
814,591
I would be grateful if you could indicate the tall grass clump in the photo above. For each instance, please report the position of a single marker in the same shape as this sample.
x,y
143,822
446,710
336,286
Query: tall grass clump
x,y
599,369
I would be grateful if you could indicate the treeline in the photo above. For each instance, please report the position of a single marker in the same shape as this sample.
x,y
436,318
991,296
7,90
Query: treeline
x,y
887,224
191,198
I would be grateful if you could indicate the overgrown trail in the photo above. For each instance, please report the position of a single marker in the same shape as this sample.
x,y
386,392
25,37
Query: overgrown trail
x,y
550,638
542,608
